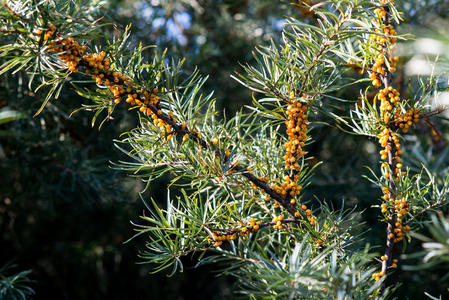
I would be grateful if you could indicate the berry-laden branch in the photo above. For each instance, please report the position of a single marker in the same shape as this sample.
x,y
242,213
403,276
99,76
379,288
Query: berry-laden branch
x,y
98,65
391,120
243,230
296,125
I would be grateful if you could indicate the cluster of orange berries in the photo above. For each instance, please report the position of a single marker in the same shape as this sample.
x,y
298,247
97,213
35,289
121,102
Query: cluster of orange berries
x,y
312,219
379,68
267,197
308,212
389,98
243,231
220,238
275,188
395,261
384,137
98,65
48,33
378,275
289,188
278,221
297,135
388,138
385,35
401,208
69,50
406,120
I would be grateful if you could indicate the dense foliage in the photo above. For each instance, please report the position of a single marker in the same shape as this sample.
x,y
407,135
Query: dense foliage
x,y
317,181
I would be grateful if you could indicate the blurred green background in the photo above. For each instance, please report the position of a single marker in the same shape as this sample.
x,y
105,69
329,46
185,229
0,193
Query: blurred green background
x,y
65,213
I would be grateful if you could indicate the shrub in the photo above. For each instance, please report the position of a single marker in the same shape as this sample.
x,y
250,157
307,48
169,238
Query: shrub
x,y
239,186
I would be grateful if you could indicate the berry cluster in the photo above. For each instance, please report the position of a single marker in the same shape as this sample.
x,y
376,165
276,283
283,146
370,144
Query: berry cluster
x,y
389,98
312,219
385,37
69,50
289,188
219,238
243,231
406,120
379,68
389,140
308,212
297,134
400,208
278,221
378,275
120,86
296,125
47,33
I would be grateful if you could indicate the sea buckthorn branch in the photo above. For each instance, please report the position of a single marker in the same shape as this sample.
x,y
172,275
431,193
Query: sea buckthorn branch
x,y
388,99
391,120
296,129
393,117
300,85
296,113
244,230
289,189
267,189
148,102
